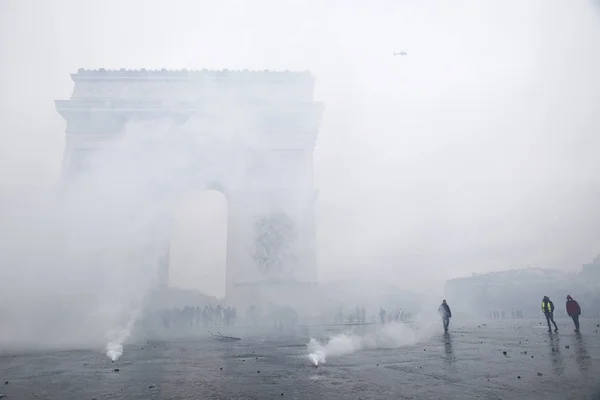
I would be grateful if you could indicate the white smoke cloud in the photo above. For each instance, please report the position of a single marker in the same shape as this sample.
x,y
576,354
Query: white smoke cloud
x,y
92,251
389,336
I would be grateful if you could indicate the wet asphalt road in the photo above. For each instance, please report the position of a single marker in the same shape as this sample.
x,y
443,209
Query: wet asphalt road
x,y
469,363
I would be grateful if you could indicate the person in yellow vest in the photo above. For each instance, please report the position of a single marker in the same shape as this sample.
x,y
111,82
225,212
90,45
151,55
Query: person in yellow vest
x,y
548,310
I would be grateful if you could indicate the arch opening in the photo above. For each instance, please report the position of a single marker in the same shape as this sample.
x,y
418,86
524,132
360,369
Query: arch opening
x,y
199,243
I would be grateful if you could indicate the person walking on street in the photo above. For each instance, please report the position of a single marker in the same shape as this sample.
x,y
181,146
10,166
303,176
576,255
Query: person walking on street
x,y
548,310
574,311
446,314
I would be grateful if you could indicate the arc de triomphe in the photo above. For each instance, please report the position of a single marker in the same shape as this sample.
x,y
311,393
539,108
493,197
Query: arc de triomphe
x,y
271,222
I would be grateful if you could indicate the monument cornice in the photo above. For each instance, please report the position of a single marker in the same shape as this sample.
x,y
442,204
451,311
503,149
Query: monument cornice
x,y
116,104
81,107
185,74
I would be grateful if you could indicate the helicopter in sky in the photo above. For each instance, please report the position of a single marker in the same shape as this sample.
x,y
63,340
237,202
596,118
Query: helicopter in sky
x,y
401,53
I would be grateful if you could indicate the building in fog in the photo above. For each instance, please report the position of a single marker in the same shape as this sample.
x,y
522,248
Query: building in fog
x,y
588,288
590,275
508,291
268,123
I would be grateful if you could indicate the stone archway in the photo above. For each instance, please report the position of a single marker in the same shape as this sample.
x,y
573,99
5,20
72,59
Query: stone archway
x,y
270,195
199,243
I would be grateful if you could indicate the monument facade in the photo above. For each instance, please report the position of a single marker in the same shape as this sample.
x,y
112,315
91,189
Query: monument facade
x,y
270,195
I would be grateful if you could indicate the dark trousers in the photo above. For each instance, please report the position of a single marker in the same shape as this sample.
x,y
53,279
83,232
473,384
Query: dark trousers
x,y
576,321
446,321
549,318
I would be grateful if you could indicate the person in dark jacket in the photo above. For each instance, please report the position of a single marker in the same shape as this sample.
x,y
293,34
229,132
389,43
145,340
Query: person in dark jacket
x,y
446,314
574,311
548,310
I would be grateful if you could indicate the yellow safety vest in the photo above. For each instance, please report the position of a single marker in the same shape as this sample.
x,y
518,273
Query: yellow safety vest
x,y
545,306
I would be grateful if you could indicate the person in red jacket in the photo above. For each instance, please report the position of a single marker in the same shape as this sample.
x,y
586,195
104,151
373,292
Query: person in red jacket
x,y
574,311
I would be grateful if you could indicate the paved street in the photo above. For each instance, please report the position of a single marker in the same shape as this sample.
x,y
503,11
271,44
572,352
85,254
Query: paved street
x,y
469,363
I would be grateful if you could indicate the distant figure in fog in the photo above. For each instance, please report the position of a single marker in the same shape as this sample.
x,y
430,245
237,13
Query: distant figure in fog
x,y
548,310
574,311
339,317
446,314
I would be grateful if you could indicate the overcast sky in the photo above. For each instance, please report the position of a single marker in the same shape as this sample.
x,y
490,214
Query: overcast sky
x,y
475,152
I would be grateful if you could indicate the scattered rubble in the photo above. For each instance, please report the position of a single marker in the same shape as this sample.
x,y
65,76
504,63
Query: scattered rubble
x,y
222,338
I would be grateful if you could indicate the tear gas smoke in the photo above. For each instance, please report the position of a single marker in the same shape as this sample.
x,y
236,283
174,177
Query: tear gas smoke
x,y
96,245
475,152
390,336
114,348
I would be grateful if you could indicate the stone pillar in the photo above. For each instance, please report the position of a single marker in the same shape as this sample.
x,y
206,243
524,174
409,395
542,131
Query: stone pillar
x,y
163,269
311,239
243,277
79,150
234,257
270,246
76,157
163,226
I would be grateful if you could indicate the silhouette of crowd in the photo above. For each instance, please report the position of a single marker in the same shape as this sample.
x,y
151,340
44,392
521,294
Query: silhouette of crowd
x,y
190,317
359,316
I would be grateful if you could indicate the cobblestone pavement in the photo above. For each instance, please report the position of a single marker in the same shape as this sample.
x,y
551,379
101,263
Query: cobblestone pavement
x,y
492,361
